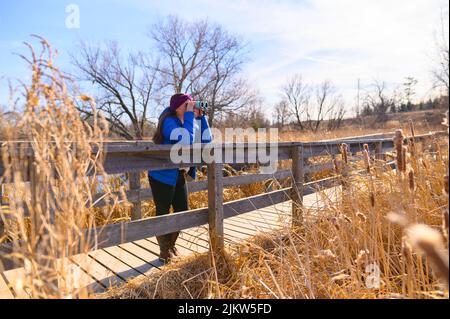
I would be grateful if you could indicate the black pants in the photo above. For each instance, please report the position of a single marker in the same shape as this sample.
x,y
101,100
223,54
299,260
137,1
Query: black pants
x,y
164,196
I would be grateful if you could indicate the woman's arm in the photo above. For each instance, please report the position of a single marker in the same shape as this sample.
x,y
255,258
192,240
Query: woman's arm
x,y
171,124
206,135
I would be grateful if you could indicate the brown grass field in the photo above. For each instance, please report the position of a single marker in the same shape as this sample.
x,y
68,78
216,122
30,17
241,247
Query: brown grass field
x,y
391,223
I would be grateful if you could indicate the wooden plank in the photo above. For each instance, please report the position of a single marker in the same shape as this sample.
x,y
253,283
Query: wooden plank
x,y
231,208
122,157
117,163
215,207
280,209
265,218
16,279
115,234
297,185
236,236
263,221
118,267
251,203
313,149
259,213
250,224
259,223
191,246
130,260
255,178
237,229
272,213
102,274
183,251
192,187
133,161
318,167
141,253
200,234
134,179
76,279
313,187
5,292
149,246
246,223
197,235
156,149
196,239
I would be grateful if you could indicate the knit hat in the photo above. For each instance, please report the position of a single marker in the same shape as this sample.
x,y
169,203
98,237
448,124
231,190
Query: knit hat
x,y
178,99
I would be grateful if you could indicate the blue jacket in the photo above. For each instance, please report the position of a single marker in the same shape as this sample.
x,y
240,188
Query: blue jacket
x,y
170,176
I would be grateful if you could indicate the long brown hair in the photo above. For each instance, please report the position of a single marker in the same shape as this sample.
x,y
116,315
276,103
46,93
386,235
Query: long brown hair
x,y
158,137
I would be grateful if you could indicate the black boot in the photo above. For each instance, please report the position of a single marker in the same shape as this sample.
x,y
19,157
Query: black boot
x,y
173,239
164,248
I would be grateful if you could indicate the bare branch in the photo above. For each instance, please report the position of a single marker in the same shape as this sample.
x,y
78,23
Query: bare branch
x,y
126,85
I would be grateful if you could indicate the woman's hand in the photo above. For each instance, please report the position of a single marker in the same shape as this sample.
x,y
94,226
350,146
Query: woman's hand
x,y
190,106
198,112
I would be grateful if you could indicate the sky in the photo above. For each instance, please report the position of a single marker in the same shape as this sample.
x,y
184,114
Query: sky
x,y
341,41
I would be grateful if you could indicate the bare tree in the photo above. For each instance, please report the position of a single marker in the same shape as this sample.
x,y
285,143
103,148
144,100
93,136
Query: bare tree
x,y
297,95
205,60
249,116
225,89
378,100
282,114
184,51
125,86
336,114
440,72
327,105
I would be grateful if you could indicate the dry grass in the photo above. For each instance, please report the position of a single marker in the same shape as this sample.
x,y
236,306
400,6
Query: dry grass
x,y
45,222
339,250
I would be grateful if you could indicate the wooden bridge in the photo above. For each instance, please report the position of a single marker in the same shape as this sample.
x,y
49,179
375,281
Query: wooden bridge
x,y
129,249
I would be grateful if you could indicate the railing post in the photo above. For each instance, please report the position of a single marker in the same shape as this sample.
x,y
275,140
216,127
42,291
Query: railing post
x,y
134,179
215,207
2,227
379,151
297,185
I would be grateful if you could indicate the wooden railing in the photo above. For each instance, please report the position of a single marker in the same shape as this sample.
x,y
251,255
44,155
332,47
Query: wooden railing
x,y
134,157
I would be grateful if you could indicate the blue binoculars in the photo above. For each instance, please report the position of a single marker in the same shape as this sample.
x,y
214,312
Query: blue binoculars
x,y
201,105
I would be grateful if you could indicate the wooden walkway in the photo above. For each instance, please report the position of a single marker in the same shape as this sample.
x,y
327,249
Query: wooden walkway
x,y
115,263
113,266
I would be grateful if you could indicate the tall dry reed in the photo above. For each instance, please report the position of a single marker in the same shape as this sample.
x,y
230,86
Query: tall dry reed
x,y
47,156
349,248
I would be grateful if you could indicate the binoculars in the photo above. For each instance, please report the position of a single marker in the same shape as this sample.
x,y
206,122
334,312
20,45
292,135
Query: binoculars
x,y
201,105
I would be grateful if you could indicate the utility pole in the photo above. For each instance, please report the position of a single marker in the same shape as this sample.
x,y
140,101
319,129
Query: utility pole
x,y
358,101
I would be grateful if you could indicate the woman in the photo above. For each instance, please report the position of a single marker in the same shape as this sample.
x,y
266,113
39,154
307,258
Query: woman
x,y
169,185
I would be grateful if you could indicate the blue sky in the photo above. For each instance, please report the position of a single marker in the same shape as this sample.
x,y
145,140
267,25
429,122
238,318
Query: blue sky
x,y
323,39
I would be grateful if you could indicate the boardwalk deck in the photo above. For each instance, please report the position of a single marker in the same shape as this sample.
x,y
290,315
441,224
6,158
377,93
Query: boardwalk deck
x,y
229,223
110,266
